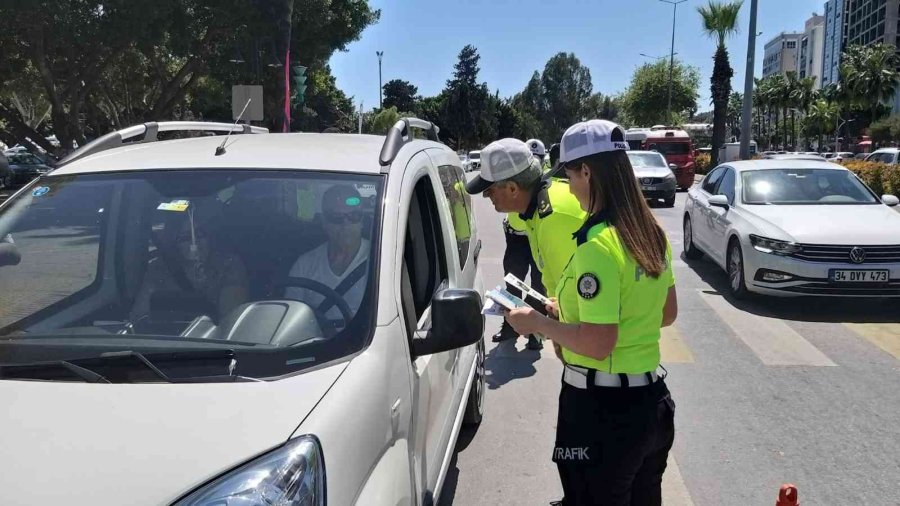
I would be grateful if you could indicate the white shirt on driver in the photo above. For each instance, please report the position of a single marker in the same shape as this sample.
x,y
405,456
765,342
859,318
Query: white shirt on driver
x,y
314,265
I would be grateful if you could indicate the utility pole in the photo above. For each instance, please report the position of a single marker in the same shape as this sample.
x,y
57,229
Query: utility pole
x,y
360,116
748,85
671,55
380,89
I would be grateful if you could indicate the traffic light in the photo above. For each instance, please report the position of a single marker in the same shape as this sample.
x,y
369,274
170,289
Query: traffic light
x,y
298,73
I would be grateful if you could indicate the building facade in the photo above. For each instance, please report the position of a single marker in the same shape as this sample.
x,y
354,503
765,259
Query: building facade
x,y
812,50
835,39
781,54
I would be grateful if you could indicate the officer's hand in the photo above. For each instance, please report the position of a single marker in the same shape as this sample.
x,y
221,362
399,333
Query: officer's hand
x,y
524,320
553,308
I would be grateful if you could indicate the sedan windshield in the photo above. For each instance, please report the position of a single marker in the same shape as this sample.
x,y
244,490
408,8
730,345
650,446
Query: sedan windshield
x,y
475,155
646,160
23,159
670,148
804,186
273,263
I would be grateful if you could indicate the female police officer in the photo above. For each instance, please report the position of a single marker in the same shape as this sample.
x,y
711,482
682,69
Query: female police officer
x,y
616,418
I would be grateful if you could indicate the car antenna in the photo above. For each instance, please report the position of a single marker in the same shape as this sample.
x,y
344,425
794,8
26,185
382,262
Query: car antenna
x,y
221,149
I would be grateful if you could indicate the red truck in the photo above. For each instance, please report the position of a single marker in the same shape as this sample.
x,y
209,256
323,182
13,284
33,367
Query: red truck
x,y
674,144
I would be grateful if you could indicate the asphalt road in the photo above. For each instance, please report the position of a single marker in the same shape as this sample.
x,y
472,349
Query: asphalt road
x,y
767,392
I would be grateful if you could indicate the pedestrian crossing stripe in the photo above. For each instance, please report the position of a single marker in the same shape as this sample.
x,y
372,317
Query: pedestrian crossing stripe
x,y
672,349
772,340
885,336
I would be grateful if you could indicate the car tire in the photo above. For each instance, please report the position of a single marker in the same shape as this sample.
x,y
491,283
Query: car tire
x,y
670,202
690,249
736,283
475,403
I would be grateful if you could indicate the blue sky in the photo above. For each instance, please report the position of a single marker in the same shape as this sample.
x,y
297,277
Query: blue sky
x,y
421,39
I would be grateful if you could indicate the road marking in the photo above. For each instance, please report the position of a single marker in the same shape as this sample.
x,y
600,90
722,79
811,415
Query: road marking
x,y
772,340
674,491
672,348
884,335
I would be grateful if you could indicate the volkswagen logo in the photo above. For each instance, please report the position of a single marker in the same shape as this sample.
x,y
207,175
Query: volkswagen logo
x,y
857,255
646,180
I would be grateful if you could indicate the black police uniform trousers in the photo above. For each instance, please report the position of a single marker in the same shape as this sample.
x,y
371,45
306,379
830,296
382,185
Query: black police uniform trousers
x,y
612,444
517,260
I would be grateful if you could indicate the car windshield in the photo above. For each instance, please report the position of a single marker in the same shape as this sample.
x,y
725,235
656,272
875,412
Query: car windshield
x,y
646,160
670,148
23,159
475,155
804,186
274,265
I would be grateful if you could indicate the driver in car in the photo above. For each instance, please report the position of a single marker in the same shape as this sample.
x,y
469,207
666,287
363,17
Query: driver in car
x,y
340,262
192,264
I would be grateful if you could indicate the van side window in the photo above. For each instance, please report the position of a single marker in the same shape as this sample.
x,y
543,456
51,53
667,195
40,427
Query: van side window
x,y
453,183
424,259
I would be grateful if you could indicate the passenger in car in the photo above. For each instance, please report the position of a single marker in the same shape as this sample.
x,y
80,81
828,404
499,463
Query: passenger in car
x,y
344,254
193,265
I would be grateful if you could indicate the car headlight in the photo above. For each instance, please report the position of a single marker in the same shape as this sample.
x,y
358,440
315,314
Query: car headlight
x,y
670,175
774,246
292,475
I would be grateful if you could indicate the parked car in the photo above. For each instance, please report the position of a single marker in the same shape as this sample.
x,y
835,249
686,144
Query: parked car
x,y
795,227
475,160
464,160
884,155
253,368
655,176
24,167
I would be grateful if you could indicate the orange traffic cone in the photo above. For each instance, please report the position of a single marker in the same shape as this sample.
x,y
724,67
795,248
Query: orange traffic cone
x,y
788,496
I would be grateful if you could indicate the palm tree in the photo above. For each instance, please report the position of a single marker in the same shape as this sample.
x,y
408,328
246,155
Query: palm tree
x,y
802,94
821,116
871,74
758,102
720,21
779,100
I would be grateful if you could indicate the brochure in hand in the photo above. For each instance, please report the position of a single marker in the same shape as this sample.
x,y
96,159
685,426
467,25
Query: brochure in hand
x,y
527,291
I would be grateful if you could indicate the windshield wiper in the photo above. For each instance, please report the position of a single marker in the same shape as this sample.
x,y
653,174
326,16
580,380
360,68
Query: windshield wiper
x,y
44,369
133,367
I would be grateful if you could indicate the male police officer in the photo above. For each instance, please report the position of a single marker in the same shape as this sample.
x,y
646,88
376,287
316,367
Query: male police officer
x,y
511,177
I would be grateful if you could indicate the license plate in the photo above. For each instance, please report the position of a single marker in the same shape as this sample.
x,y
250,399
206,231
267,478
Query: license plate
x,y
856,276
645,188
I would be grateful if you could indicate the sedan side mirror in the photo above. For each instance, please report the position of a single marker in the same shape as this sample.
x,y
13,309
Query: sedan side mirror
x,y
719,201
456,322
673,167
890,200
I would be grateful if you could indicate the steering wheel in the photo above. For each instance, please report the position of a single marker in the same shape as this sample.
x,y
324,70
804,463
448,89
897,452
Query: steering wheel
x,y
332,298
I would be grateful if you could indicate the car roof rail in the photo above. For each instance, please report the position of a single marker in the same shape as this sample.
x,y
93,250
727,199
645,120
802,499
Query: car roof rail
x,y
401,134
150,130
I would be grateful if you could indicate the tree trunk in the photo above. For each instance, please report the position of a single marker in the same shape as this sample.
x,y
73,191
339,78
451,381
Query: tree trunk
x,y
720,86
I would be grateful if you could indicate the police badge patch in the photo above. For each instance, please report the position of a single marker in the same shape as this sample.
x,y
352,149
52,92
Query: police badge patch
x,y
588,286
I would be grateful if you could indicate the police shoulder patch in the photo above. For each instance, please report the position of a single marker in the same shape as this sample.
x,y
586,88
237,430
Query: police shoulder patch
x,y
588,285
545,208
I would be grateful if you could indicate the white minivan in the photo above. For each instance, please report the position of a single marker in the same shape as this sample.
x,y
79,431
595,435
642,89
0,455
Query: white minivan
x,y
288,319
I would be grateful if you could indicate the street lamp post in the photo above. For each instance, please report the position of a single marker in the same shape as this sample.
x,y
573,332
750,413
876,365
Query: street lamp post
x,y
748,84
671,55
380,89
838,124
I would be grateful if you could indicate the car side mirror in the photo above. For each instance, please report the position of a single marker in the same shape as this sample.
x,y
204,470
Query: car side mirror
x,y
673,167
719,201
890,200
9,254
456,322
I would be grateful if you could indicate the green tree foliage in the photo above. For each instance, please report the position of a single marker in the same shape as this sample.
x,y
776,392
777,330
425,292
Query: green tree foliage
x,y
103,65
719,21
465,101
326,106
647,95
400,94
566,86
383,120
870,75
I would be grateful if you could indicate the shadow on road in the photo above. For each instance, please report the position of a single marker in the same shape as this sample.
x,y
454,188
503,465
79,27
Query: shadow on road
x,y
808,309
505,363
451,481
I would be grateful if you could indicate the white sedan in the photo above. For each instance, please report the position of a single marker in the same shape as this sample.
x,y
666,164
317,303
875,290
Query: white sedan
x,y
795,227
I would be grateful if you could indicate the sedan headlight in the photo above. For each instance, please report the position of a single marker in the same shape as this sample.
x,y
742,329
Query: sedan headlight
x,y
670,175
292,475
774,246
